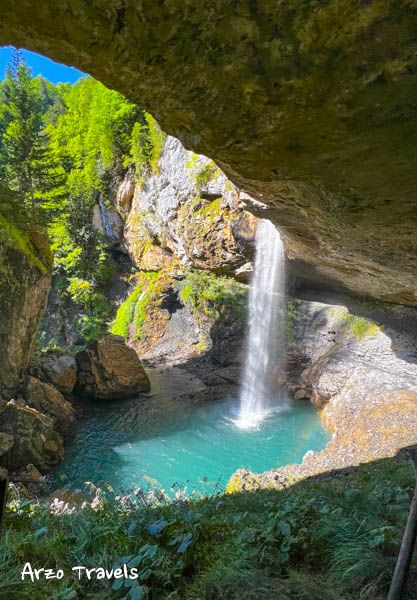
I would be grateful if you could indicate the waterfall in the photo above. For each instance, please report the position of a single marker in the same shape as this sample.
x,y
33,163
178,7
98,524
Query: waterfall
x,y
266,336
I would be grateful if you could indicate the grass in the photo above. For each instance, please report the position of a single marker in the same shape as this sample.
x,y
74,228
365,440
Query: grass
x,y
131,315
359,326
11,234
332,539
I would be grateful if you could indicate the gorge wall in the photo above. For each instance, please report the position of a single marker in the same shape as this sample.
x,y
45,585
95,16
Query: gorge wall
x,y
320,127
185,230
25,279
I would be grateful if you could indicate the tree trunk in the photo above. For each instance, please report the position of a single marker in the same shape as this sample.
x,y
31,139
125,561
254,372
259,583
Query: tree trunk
x,y
399,580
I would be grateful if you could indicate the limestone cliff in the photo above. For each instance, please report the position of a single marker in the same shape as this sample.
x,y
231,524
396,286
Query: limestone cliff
x,y
308,106
187,215
185,228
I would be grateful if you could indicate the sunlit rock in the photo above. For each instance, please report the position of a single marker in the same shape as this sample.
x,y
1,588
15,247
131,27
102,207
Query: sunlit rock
x,y
108,369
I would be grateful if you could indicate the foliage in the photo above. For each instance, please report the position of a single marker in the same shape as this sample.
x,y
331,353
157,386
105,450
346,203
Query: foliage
x,y
209,295
61,148
323,539
87,295
202,172
131,315
21,140
359,326
147,143
12,235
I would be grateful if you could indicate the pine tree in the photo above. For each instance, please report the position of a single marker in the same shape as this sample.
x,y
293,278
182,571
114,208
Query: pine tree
x,y
22,125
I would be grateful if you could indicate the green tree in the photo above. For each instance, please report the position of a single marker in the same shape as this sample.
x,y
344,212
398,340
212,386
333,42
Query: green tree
x,y
22,125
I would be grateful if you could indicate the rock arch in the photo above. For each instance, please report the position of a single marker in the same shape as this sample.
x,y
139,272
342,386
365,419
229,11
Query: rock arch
x,y
309,106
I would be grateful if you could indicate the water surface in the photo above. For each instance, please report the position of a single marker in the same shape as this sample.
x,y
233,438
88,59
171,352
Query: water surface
x,y
181,440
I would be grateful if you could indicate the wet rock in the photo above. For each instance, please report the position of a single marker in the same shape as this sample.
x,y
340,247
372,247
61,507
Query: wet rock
x,y
60,371
48,400
300,394
109,369
35,439
359,366
107,220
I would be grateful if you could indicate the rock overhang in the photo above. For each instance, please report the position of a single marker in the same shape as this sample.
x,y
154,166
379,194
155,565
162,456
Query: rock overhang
x,y
308,106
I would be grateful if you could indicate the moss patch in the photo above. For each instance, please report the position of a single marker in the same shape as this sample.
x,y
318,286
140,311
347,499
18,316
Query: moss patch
x,y
209,296
359,326
137,309
32,245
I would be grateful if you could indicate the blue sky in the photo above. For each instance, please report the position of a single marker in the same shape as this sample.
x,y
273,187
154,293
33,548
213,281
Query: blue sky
x,y
39,64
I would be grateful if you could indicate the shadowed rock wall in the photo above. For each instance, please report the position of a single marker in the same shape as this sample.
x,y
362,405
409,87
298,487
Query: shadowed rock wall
x,y
310,106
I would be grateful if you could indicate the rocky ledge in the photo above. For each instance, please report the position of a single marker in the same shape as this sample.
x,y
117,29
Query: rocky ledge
x,y
359,367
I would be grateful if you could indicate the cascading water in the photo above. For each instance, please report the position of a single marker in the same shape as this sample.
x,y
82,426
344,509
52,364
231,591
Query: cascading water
x,y
266,339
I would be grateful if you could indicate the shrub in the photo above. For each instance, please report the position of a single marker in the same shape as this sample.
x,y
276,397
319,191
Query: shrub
x,y
359,326
331,539
131,315
208,295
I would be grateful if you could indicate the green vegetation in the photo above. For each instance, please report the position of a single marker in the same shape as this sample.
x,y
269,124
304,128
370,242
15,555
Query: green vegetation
x,y
331,539
131,315
12,235
359,326
210,295
290,314
202,174
147,143
61,147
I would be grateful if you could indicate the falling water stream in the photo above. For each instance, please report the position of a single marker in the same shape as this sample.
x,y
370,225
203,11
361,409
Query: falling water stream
x,y
266,338
171,438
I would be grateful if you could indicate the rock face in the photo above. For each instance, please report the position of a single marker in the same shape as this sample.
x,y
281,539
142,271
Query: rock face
x,y
187,215
35,440
60,371
306,106
360,368
110,370
48,400
25,277
345,362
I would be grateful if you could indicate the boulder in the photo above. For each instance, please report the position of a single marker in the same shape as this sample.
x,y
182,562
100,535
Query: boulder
x,y
27,474
108,369
60,371
35,440
48,400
